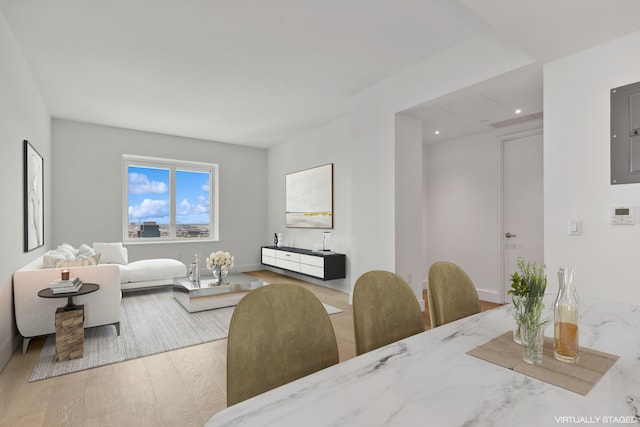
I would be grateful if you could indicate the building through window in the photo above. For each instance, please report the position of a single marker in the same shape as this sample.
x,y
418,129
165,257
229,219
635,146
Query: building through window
x,y
169,200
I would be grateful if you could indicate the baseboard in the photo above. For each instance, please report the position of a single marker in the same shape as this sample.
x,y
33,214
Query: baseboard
x,y
490,296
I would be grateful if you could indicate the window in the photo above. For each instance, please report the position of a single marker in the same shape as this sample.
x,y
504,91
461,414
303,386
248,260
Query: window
x,y
169,200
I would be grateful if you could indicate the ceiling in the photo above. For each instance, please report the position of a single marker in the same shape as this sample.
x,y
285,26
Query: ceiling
x,y
503,100
257,73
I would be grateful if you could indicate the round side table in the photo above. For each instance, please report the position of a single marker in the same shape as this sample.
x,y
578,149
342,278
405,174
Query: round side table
x,y
86,288
69,322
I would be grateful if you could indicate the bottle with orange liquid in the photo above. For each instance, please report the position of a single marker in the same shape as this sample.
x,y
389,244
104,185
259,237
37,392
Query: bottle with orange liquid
x,y
566,347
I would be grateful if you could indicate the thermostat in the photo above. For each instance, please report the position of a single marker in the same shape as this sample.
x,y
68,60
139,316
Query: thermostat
x,y
623,215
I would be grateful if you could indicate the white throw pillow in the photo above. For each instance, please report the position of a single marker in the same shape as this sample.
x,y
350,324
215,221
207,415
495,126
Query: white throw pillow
x,y
67,250
111,253
49,258
78,262
85,251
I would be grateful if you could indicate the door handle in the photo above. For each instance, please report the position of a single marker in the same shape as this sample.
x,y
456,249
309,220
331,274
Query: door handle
x,y
509,235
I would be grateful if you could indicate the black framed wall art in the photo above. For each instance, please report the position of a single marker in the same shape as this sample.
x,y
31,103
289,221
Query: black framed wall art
x,y
33,198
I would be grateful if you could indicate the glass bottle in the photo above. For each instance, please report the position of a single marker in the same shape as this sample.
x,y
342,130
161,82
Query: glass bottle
x,y
566,347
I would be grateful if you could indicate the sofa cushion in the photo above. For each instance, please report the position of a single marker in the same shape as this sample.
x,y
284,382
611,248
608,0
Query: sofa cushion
x,y
81,261
152,269
111,253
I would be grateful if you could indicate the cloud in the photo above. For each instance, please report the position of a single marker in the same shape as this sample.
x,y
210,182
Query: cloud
x,y
185,207
189,209
204,201
140,184
205,187
149,208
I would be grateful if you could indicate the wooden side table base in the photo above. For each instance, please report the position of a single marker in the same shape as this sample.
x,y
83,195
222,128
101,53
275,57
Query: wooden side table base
x,y
70,333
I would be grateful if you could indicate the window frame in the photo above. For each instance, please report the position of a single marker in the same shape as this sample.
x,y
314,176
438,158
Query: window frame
x,y
172,165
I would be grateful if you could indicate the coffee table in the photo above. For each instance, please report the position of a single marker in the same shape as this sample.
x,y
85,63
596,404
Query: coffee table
x,y
208,296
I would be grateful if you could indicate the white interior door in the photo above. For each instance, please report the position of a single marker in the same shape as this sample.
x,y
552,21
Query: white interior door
x,y
522,209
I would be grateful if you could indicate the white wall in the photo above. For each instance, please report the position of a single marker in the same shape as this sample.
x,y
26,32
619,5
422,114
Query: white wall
x,y
462,195
88,199
22,116
576,160
408,201
373,166
325,144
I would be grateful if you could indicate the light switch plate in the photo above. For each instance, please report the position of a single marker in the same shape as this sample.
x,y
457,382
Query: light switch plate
x,y
575,227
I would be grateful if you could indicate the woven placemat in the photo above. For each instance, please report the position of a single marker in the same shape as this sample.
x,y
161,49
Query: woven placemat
x,y
577,377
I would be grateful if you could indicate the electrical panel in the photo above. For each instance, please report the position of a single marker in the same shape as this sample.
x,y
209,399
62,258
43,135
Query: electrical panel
x,y
625,134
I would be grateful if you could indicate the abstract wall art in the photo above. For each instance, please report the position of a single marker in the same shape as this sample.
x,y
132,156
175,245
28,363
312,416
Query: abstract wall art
x,y
33,198
309,198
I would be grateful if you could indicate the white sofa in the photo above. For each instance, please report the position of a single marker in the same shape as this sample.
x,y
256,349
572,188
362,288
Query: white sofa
x,y
150,273
133,275
35,316
139,274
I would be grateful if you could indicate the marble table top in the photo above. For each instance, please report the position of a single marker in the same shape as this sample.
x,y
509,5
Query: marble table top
x,y
428,379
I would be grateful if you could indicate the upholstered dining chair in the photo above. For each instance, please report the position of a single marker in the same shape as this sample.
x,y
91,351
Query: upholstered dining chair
x,y
278,333
451,294
385,310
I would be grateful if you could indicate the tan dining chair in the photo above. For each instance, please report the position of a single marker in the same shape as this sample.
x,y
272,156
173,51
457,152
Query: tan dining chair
x,y
278,333
451,294
385,310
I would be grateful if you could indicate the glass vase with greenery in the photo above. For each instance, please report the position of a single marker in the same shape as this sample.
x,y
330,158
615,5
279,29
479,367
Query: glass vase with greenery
x,y
527,291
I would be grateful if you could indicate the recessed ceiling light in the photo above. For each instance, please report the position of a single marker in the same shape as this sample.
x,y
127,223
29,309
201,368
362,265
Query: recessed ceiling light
x,y
437,132
518,111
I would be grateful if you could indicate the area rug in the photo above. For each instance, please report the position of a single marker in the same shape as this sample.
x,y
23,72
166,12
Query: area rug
x,y
151,322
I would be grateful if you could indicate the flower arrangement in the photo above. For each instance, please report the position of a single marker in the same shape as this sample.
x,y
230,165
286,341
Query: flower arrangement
x,y
527,290
530,285
224,260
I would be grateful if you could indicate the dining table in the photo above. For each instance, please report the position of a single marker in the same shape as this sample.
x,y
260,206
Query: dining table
x,y
430,379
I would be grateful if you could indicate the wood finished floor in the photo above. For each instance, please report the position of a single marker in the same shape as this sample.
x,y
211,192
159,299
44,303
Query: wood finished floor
x,y
183,387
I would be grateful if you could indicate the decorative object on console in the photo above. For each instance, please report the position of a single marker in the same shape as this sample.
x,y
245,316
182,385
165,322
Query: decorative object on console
x,y
33,198
220,263
326,239
309,198
279,243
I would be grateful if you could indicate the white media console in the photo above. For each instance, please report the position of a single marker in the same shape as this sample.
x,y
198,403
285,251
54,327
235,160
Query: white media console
x,y
325,266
